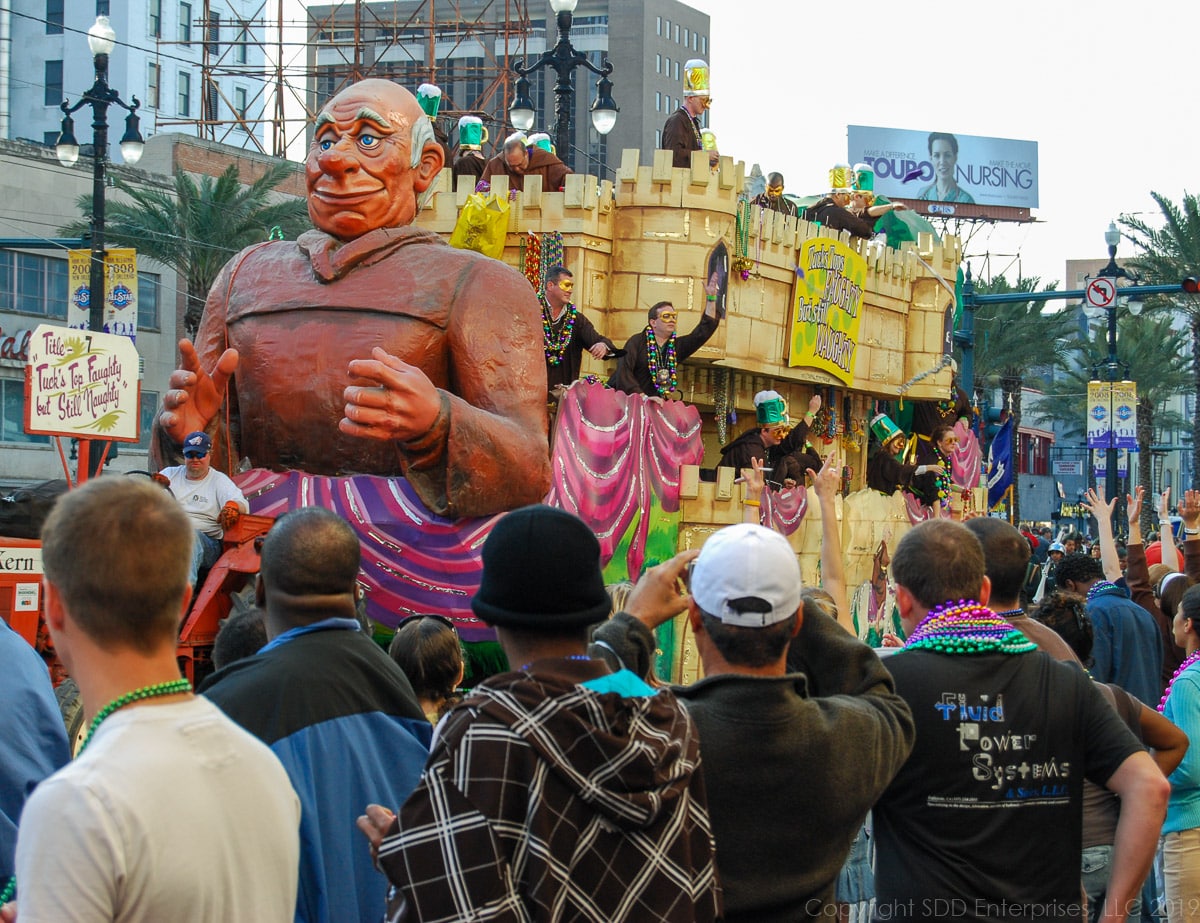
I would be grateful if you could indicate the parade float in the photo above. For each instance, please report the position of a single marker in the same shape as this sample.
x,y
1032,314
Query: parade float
x,y
805,310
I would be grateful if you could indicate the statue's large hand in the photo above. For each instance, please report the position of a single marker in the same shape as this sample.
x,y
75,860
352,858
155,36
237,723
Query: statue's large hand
x,y
403,406
195,394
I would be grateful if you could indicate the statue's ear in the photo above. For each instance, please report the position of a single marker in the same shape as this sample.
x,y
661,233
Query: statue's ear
x,y
432,161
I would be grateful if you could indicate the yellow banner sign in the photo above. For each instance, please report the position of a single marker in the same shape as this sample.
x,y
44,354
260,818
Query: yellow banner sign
x,y
121,287
828,308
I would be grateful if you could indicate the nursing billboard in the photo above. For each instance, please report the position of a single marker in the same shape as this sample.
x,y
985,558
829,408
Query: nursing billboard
x,y
938,166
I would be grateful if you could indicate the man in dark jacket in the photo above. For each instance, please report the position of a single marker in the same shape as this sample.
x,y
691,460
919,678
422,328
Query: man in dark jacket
x,y
681,132
793,760
765,441
337,711
566,332
651,361
833,211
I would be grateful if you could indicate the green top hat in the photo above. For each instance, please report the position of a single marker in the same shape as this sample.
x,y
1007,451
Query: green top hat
x,y
884,429
430,98
542,140
770,408
864,178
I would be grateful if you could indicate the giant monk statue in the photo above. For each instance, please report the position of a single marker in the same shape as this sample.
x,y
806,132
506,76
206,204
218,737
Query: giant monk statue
x,y
368,346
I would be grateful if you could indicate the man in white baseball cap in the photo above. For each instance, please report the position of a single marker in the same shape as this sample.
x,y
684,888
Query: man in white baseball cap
x,y
793,760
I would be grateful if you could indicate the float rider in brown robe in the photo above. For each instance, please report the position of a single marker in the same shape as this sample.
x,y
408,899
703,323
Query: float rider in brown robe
x,y
368,346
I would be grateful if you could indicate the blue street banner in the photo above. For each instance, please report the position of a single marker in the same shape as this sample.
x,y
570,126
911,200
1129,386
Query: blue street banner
x,y
1000,464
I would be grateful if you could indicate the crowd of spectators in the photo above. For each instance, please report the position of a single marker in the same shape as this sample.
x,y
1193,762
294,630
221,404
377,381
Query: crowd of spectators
x,y
806,775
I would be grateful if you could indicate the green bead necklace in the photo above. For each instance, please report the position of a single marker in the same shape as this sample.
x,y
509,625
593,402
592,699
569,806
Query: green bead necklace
x,y
172,687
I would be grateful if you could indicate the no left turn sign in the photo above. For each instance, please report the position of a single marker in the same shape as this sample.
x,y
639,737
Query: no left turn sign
x,y
1101,293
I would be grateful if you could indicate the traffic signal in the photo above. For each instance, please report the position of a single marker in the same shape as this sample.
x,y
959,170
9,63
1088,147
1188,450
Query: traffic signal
x,y
1191,285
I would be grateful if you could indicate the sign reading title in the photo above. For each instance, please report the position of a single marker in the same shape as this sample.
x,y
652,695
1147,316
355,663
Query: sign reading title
x,y
81,384
828,308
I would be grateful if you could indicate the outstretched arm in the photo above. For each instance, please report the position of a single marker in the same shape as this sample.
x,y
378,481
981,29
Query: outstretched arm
x,y
833,572
1108,546
1170,556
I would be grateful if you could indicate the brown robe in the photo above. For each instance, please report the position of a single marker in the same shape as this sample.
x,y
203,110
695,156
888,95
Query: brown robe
x,y
541,163
299,311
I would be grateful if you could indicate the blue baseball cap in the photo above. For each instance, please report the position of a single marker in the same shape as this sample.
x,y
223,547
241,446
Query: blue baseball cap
x,y
196,445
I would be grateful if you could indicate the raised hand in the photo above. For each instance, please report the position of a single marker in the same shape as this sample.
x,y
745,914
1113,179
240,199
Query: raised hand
x,y
402,404
195,394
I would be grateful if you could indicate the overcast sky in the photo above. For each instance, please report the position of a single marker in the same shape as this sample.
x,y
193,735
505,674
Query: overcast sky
x,y
1106,89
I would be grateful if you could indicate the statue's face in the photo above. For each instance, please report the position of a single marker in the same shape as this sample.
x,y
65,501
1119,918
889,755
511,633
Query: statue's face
x,y
358,168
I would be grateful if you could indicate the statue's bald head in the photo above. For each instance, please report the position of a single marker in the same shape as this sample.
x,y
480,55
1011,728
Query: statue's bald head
x,y
373,152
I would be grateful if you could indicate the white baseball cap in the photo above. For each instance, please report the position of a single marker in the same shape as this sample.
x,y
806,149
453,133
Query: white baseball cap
x,y
747,575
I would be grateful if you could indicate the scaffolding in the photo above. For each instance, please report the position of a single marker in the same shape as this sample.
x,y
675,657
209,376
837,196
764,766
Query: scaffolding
x,y
338,43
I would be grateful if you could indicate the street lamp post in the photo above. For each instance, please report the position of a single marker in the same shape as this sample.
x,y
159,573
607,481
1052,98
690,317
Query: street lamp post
x,y
564,59
1112,237
101,40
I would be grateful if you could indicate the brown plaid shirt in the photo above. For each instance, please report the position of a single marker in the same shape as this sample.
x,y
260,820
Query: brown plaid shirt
x,y
545,800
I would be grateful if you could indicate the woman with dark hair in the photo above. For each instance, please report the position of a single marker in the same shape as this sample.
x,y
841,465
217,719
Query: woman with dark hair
x,y
1181,830
943,151
428,651
1067,614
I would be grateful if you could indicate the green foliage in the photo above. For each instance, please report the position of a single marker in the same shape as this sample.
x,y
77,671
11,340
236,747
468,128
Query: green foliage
x,y
1015,343
1169,254
200,227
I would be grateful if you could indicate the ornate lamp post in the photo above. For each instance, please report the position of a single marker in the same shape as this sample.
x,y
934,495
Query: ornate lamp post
x,y
101,40
564,59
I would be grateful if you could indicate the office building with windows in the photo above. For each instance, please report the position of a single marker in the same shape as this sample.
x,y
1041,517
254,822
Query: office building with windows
x,y
193,73
468,52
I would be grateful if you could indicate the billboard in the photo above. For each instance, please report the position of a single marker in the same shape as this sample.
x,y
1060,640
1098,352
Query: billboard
x,y
937,166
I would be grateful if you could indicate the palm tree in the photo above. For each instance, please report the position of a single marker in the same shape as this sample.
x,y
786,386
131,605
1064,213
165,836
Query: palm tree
x,y
1158,360
197,229
1014,343
1168,255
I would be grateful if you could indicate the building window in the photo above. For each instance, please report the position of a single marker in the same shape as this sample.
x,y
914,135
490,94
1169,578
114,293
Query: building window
x,y
239,102
239,53
184,103
146,414
185,23
685,38
677,33
155,18
50,138
658,25
658,137
153,84
667,33
211,101
12,414
54,17
53,83
676,70
658,64
212,37
704,44
33,284
694,41
667,66
149,297
658,102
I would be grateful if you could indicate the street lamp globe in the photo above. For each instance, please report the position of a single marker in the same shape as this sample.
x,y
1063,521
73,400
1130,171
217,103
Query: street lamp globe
x,y
66,148
521,113
564,6
102,38
132,143
1112,236
604,109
